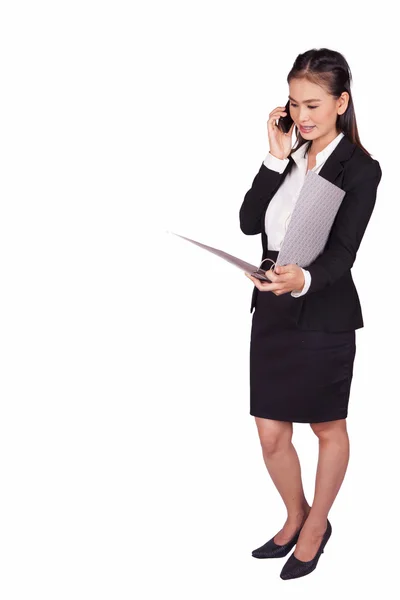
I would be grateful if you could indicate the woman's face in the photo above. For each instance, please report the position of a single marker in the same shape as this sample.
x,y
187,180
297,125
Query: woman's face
x,y
311,105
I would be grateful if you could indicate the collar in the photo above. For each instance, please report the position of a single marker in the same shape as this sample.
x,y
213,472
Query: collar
x,y
299,156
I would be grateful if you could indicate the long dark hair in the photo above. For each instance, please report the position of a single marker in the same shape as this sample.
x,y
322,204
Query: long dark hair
x,y
330,70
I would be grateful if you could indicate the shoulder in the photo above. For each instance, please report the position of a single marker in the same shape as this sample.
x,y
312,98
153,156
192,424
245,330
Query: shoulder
x,y
360,167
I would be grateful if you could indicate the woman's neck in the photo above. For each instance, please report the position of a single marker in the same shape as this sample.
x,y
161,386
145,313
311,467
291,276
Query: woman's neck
x,y
321,143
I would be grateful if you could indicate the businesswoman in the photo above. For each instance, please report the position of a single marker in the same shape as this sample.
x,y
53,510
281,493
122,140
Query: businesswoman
x,y
302,344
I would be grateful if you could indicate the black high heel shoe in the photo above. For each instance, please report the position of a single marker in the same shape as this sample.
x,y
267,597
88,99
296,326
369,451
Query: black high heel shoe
x,y
272,550
298,568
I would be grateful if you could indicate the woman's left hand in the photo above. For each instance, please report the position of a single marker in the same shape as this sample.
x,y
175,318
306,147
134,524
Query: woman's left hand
x,y
284,279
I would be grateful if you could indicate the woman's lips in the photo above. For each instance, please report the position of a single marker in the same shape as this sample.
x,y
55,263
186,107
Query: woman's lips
x,y
306,129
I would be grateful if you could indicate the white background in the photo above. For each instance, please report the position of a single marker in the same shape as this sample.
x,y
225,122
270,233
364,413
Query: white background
x,y
129,464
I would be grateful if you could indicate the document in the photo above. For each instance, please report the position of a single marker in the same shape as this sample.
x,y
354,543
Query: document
x,y
241,264
311,221
307,232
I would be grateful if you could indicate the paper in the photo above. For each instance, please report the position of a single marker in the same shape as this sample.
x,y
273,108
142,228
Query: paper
x,y
241,264
311,221
307,232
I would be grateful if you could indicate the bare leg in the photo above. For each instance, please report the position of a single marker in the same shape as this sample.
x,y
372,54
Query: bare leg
x,y
283,465
334,451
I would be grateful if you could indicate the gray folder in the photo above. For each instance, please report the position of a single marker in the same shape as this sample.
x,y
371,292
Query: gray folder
x,y
307,231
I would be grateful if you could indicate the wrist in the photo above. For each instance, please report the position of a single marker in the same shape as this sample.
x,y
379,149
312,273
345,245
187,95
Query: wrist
x,y
300,282
278,156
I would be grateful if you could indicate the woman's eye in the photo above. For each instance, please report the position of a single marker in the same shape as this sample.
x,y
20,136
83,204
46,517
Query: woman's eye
x,y
295,106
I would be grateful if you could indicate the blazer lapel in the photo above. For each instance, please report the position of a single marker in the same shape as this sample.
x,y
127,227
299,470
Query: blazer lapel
x,y
333,166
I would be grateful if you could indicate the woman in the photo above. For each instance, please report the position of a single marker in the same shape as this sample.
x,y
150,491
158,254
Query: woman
x,y
302,345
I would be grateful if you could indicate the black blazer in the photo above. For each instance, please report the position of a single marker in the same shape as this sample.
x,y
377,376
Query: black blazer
x,y
331,302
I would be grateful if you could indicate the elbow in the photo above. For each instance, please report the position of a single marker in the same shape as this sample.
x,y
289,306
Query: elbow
x,y
249,224
249,228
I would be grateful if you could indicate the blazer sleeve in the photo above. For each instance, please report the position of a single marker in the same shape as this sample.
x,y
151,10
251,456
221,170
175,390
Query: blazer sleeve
x,y
347,230
257,199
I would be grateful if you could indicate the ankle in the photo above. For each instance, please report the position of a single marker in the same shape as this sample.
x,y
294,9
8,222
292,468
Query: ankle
x,y
299,515
316,523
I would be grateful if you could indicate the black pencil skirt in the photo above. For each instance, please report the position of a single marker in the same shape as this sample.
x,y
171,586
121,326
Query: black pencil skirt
x,y
295,375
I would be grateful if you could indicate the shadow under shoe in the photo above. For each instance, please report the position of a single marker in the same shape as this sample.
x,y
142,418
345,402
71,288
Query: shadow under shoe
x,y
272,550
294,567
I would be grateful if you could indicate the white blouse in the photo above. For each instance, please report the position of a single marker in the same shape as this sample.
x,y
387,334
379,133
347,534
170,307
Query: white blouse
x,y
279,211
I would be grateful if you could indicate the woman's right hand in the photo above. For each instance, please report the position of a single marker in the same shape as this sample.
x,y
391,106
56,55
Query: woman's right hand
x,y
280,144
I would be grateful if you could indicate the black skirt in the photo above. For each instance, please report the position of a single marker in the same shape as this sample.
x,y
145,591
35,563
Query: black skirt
x,y
295,375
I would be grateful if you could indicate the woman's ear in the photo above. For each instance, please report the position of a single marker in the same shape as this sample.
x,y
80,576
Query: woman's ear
x,y
343,102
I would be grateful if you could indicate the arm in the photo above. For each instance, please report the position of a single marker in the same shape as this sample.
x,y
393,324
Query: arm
x,y
347,230
259,195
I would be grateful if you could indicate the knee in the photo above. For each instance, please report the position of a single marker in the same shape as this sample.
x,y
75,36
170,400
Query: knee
x,y
330,430
275,437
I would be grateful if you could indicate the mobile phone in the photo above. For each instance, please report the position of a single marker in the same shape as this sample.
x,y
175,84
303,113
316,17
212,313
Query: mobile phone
x,y
285,123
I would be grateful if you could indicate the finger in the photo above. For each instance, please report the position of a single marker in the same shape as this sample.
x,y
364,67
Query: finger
x,y
269,287
275,275
284,269
284,278
278,109
274,116
265,286
272,276
283,288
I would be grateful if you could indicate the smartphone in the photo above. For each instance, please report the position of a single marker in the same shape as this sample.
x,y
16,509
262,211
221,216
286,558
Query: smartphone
x,y
285,123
